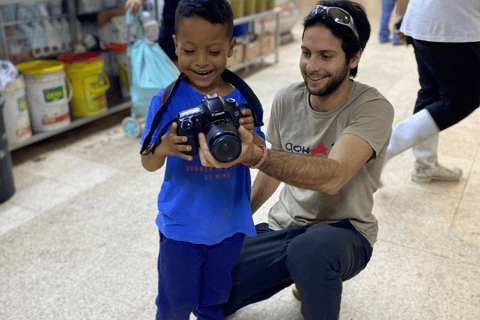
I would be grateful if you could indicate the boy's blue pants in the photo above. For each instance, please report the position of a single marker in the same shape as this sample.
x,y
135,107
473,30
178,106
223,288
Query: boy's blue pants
x,y
195,277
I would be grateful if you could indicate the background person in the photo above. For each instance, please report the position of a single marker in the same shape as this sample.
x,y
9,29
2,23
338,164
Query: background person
x,y
167,25
446,38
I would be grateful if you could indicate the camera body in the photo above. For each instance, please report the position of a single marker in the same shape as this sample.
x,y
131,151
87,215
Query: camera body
x,y
218,119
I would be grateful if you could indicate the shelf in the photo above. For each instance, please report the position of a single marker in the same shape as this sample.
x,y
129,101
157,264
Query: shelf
x,y
246,64
17,22
113,107
254,16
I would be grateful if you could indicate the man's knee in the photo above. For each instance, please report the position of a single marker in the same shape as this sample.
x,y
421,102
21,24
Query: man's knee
x,y
312,256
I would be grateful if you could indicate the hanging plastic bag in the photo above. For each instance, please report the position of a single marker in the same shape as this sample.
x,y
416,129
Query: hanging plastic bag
x,y
151,68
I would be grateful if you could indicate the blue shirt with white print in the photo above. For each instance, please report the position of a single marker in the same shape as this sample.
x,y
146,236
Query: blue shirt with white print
x,y
199,204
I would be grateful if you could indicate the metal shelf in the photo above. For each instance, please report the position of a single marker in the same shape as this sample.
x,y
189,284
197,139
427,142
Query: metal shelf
x,y
251,18
114,108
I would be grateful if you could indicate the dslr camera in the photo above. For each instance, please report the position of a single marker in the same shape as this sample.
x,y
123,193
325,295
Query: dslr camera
x,y
218,120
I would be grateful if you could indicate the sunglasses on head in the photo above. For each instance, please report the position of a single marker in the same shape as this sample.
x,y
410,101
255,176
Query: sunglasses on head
x,y
338,15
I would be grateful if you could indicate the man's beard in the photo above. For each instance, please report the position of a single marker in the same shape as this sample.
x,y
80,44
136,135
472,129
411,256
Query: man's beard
x,y
332,85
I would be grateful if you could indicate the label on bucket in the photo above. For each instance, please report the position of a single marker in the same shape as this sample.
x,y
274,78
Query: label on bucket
x,y
23,131
53,94
22,104
48,120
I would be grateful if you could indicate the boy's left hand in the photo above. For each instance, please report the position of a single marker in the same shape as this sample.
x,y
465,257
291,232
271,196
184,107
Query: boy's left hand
x,y
247,120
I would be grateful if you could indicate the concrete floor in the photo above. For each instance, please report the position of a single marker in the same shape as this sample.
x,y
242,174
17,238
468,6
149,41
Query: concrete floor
x,y
78,239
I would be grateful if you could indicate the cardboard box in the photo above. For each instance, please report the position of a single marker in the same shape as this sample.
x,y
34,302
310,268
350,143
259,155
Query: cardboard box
x,y
252,49
237,56
267,43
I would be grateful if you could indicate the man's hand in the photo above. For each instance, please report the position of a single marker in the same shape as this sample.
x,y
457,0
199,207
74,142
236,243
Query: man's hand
x,y
251,153
134,5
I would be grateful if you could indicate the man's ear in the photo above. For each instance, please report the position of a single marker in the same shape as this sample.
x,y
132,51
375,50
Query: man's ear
x,y
175,43
355,59
231,46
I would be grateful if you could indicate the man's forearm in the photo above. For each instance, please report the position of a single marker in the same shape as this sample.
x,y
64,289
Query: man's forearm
x,y
304,172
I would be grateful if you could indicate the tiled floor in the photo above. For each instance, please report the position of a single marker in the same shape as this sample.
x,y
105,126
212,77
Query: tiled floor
x,y
78,238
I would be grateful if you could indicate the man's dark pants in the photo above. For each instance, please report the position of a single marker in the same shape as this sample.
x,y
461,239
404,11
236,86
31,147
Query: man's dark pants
x,y
317,258
449,75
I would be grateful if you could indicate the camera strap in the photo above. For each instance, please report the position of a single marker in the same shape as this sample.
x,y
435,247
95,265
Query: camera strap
x,y
229,77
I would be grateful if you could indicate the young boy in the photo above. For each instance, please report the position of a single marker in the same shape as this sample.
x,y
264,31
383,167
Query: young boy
x,y
204,213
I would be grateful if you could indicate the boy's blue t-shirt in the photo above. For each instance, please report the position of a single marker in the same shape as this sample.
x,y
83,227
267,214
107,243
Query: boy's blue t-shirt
x,y
199,204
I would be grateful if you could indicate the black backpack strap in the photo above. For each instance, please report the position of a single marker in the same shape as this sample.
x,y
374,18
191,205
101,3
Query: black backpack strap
x,y
247,93
167,93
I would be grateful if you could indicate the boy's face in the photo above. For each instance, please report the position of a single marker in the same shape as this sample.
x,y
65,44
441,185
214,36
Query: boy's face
x,y
202,49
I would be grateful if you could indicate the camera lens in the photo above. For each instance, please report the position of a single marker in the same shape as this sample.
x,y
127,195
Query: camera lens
x,y
226,148
224,142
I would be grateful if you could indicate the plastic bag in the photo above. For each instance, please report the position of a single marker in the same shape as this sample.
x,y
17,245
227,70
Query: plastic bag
x,y
151,68
8,72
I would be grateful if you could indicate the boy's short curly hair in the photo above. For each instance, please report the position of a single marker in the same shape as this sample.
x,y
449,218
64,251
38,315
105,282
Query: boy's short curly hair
x,y
214,11
350,43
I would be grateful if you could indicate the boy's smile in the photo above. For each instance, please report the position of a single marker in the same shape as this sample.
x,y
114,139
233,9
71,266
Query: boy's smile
x,y
202,49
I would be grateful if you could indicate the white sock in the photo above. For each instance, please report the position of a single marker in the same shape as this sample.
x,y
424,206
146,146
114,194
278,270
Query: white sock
x,y
411,132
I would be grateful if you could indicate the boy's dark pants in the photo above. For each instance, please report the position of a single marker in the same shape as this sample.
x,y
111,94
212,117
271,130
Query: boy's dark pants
x,y
195,276
316,258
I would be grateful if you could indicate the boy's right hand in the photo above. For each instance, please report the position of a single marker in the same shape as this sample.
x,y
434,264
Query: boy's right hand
x,y
134,5
172,144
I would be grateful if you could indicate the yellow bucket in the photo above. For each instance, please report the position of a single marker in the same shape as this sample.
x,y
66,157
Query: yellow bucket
x,y
89,81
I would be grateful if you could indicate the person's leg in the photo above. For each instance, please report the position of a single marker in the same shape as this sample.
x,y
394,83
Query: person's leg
x,y
455,67
426,167
387,8
457,97
320,260
450,91
217,277
179,272
260,270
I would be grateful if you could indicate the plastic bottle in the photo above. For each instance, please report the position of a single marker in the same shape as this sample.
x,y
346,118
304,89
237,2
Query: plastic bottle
x,y
40,39
52,36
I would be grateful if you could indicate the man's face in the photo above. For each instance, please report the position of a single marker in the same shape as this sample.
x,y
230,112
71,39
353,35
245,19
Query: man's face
x,y
323,62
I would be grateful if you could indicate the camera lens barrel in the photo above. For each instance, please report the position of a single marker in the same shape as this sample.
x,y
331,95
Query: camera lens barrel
x,y
224,142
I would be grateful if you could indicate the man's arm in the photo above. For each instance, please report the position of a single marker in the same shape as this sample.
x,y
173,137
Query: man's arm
x,y
262,189
327,176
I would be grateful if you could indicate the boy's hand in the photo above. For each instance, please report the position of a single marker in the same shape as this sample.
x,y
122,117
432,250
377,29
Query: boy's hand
x,y
247,120
134,5
172,144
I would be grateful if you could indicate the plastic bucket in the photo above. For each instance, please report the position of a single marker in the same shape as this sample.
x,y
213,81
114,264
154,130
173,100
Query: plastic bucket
x,y
15,112
46,94
124,69
7,186
89,82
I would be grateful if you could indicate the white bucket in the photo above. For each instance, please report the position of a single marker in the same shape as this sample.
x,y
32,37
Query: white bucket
x,y
124,69
15,112
48,101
